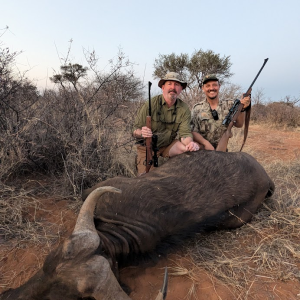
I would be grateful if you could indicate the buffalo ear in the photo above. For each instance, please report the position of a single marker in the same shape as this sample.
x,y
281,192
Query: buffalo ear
x,y
52,260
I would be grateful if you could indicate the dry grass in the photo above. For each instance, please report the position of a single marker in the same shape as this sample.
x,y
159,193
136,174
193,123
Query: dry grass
x,y
14,204
32,223
24,216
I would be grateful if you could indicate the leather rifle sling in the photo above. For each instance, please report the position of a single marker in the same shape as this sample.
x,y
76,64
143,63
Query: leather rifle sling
x,y
247,121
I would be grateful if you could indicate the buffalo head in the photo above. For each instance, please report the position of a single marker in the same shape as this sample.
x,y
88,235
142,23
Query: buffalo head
x,y
75,270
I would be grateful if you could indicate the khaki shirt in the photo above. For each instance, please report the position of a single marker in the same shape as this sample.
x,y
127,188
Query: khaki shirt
x,y
203,122
165,122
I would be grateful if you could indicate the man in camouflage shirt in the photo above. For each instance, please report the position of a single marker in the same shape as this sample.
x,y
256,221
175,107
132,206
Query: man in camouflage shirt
x,y
208,115
170,121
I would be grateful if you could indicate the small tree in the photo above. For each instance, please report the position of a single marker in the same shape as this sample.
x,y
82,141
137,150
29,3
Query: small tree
x,y
172,63
91,119
193,68
203,63
70,73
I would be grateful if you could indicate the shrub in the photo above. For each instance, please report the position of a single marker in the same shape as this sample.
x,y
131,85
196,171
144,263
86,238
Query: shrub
x,y
276,113
74,130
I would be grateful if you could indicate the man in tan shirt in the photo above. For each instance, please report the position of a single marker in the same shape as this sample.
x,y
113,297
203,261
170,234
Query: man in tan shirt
x,y
170,121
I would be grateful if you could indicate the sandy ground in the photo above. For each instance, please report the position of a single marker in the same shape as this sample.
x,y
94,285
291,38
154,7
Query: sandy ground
x,y
20,262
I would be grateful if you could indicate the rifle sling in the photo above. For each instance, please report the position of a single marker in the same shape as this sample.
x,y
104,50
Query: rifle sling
x,y
247,121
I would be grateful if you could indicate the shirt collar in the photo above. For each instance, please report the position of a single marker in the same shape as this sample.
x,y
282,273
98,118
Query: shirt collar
x,y
178,102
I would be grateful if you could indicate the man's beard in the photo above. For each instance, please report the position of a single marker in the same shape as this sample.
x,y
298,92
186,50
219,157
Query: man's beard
x,y
173,96
214,97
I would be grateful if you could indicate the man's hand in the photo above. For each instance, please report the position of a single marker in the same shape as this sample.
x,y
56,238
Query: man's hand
x,y
246,101
146,132
192,146
204,144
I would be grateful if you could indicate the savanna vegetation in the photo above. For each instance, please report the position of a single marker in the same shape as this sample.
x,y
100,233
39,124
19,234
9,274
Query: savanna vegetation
x,y
79,133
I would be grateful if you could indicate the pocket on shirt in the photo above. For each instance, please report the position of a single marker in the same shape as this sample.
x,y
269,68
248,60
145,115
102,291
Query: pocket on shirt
x,y
156,123
204,125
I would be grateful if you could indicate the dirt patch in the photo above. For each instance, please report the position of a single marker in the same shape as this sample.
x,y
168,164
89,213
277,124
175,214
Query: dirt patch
x,y
268,144
185,284
21,259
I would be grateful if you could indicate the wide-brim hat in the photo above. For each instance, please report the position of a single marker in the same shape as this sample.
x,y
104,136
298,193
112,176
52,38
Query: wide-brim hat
x,y
172,76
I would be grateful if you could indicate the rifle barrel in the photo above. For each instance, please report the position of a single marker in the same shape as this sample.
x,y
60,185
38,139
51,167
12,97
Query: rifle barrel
x,y
249,89
149,89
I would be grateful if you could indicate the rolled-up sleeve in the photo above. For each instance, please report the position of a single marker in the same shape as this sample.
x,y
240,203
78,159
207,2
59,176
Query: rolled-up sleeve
x,y
194,120
184,128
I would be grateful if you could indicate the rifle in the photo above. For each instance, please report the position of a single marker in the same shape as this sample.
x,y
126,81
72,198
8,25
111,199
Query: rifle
x,y
233,114
151,143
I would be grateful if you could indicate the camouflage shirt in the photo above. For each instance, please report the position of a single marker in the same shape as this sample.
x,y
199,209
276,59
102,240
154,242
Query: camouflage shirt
x,y
203,122
166,122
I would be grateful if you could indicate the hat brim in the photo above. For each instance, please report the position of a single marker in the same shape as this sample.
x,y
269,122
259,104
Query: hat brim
x,y
162,82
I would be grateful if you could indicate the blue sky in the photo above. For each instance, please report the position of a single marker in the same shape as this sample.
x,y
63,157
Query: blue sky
x,y
247,31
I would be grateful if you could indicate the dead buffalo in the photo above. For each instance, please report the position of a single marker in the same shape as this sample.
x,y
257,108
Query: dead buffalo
x,y
190,193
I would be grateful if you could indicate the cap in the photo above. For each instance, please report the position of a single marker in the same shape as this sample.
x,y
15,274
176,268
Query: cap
x,y
211,77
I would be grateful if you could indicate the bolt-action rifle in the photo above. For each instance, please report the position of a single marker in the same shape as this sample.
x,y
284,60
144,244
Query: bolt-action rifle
x,y
151,143
233,114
